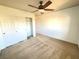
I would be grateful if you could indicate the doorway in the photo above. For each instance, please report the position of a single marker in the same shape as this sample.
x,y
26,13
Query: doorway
x,y
29,27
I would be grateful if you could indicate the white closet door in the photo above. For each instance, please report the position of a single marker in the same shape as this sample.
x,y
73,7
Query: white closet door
x,y
1,37
20,28
29,27
8,32
12,31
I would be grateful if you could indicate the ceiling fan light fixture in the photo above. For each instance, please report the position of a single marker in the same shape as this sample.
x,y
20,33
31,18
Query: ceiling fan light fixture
x,y
41,10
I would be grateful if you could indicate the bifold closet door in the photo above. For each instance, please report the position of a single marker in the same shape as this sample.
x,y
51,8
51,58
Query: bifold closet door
x,y
8,32
1,37
12,30
20,29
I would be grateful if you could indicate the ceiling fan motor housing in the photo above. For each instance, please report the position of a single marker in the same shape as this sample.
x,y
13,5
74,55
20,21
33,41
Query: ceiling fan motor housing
x,y
40,6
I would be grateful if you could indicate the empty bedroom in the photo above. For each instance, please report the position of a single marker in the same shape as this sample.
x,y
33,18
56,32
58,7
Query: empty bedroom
x,y
39,29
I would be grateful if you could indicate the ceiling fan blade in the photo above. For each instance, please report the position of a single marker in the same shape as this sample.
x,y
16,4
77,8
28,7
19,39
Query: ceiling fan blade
x,y
35,11
49,9
47,4
33,6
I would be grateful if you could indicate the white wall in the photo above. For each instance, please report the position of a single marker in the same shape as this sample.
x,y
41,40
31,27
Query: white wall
x,y
62,24
8,16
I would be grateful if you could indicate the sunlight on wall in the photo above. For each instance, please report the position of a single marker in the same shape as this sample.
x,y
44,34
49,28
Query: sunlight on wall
x,y
57,23
54,24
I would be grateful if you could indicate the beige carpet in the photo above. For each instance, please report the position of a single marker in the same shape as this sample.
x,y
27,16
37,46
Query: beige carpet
x,y
41,47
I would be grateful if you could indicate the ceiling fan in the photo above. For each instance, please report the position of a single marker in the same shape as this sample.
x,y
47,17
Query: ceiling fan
x,y
42,7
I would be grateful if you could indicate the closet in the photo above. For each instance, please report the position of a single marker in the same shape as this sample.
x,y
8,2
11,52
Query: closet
x,y
14,29
29,27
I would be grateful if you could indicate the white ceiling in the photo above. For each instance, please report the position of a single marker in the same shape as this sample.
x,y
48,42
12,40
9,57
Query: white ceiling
x,y
23,4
